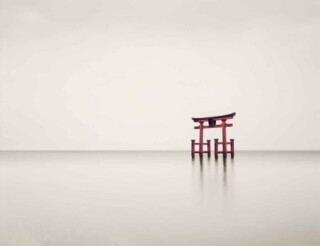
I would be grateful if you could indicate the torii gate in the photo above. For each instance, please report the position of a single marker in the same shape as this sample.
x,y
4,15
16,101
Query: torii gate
x,y
212,123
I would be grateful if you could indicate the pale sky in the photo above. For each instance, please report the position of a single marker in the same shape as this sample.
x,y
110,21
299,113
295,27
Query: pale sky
x,y
129,75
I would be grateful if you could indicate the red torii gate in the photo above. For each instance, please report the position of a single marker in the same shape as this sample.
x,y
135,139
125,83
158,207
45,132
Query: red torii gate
x,y
212,123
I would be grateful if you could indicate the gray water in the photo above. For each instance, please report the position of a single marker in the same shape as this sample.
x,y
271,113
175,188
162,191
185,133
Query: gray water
x,y
159,198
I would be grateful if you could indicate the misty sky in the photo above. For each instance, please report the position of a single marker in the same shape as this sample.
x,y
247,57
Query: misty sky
x,y
131,74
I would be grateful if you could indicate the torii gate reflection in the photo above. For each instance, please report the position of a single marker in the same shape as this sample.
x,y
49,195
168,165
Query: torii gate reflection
x,y
212,123
215,178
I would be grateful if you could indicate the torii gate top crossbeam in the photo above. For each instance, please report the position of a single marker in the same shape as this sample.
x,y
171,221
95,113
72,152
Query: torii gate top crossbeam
x,y
212,120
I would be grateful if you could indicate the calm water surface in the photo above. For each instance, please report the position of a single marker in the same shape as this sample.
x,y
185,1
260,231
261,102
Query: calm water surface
x,y
159,198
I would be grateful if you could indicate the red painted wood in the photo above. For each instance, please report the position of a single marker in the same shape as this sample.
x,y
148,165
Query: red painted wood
x,y
211,122
192,146
209,147
201,137
216,126
219,117
216,142
232,147
224,138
